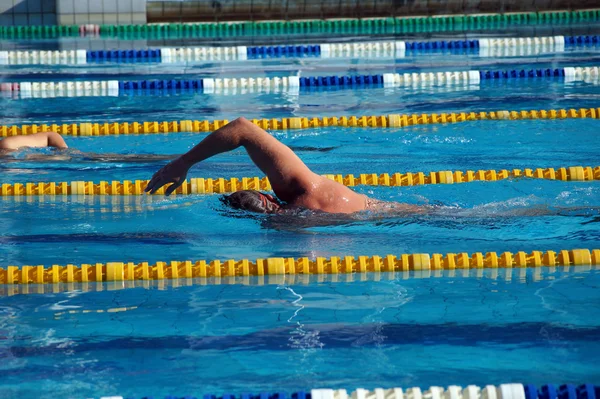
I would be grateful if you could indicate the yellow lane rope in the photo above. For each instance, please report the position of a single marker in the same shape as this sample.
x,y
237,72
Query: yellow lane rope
x,y
222,185
392,120
129,271
518,275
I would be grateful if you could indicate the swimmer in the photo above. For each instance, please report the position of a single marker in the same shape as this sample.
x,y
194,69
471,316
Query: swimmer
x,y
37,140
294,184
55,140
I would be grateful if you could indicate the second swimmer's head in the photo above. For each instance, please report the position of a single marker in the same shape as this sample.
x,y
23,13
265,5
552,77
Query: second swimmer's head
x,y
253,201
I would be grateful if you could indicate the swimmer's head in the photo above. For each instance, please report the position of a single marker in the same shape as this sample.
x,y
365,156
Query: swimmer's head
x,y
253,201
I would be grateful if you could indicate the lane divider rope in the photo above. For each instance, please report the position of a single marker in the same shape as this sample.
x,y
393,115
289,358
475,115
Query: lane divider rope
x,y
222,185
41,57
502,391
127,271
372,121
439,23
398,49
398,25
518,275
287,83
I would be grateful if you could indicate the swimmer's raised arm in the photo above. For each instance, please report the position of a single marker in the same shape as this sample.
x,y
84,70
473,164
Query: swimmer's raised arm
x,y
288,175
37,140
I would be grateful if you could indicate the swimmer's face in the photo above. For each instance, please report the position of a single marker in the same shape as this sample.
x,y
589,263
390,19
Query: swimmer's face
x,y
253,201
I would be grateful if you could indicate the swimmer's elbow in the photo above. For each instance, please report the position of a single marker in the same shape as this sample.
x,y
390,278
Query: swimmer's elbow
x,y
243,131
241,120
240,124
56,140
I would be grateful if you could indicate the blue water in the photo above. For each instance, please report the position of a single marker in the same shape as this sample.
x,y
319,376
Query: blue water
x,y
398,332
289,334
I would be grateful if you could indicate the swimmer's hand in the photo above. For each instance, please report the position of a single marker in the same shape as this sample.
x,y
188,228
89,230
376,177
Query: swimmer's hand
x,y
174,172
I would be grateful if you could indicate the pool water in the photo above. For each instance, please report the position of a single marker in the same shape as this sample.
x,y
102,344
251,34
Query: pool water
x,y
196,337
238,338
479,216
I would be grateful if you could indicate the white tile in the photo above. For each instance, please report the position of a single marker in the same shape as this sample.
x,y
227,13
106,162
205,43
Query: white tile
x,y
139,18
96,18
65,19
124,6
95,6
80,7
48,18
82,18
65,7
35,19
6,5
110,18
124,19
110,6
138,6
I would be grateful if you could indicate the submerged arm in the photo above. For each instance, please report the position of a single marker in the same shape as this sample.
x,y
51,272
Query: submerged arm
x,y
289,176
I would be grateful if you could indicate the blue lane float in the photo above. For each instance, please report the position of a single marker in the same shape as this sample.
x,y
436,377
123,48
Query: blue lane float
x,y
393,49
503,391
94,56
150,87
325,50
